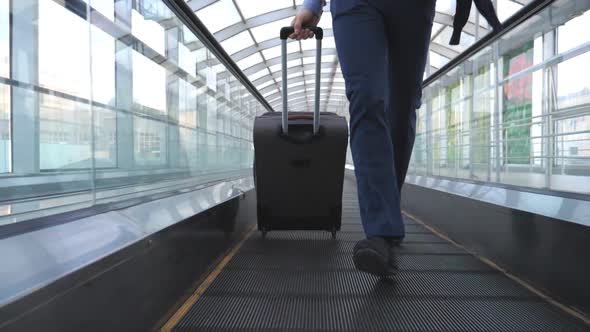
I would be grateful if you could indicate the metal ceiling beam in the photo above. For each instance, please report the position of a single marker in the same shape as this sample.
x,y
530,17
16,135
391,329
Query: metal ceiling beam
x,y
277,60
297,79
264,45
333,101
324,86
292,70
336,85
290,57
304,96
323,92
333,106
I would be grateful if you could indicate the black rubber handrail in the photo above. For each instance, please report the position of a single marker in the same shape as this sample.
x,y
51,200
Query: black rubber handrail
x,y
515,20
182,10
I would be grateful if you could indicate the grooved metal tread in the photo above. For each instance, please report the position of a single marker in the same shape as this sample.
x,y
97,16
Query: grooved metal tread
x,y
305,281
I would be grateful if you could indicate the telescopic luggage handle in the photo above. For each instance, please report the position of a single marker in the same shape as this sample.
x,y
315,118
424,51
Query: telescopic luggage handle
x,y
319,35
287,31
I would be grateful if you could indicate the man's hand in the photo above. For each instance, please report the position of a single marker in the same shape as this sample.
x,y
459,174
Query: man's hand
x,y
305,18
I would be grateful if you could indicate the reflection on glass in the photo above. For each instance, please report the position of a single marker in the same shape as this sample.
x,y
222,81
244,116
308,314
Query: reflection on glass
x,y
65,134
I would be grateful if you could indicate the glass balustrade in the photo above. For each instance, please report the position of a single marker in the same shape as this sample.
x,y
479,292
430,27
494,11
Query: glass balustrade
x,y
102,101
517,112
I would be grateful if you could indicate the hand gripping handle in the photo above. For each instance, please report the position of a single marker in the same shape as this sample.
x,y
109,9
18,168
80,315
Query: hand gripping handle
x,y
317,31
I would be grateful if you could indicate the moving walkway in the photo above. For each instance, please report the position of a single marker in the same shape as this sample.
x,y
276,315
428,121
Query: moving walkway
x,y
127,201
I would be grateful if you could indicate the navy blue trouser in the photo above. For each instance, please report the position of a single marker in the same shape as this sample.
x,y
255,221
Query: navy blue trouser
x,y
382,47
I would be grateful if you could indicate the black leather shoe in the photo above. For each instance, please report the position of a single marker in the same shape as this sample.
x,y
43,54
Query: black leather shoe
x,y
372,256
392,263
395,241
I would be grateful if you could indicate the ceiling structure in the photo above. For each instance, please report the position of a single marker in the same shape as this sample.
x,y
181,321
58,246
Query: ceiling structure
x,y
248,30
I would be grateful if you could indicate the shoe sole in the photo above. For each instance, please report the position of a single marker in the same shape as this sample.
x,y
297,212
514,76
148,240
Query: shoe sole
x,y
368,260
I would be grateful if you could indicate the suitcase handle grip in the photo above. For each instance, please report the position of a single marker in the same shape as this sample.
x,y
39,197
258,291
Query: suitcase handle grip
x,y
319,34
317,31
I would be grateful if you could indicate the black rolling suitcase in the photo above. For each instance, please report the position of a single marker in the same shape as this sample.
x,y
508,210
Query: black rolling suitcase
x,y
299,162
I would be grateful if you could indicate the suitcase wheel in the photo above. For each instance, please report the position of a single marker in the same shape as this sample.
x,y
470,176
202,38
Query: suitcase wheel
x,y
334,234
264,231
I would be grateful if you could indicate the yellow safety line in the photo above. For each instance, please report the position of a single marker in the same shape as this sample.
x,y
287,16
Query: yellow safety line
x,y
572,311
182,311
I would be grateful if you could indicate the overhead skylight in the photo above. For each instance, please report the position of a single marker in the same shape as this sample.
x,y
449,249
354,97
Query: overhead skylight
x,y
249,30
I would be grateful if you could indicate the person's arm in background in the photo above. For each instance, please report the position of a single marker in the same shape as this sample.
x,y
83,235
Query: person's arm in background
x,y
308,16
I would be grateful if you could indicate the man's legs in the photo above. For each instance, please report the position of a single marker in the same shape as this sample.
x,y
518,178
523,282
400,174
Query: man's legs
x,y
409,39
361,39
360,34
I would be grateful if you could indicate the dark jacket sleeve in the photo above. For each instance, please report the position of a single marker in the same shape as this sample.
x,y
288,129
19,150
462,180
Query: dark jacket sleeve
x,y
485,7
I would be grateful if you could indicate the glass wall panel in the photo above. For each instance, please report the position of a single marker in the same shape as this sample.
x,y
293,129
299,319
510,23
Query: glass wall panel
x,y
188,148
65,134
481,138
421,143
149,32
517,106
64,55
570,35
518,111
187,108
573,145
149,83
105,137
5,137
103,70
150,142
573,89
4,39
103,118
